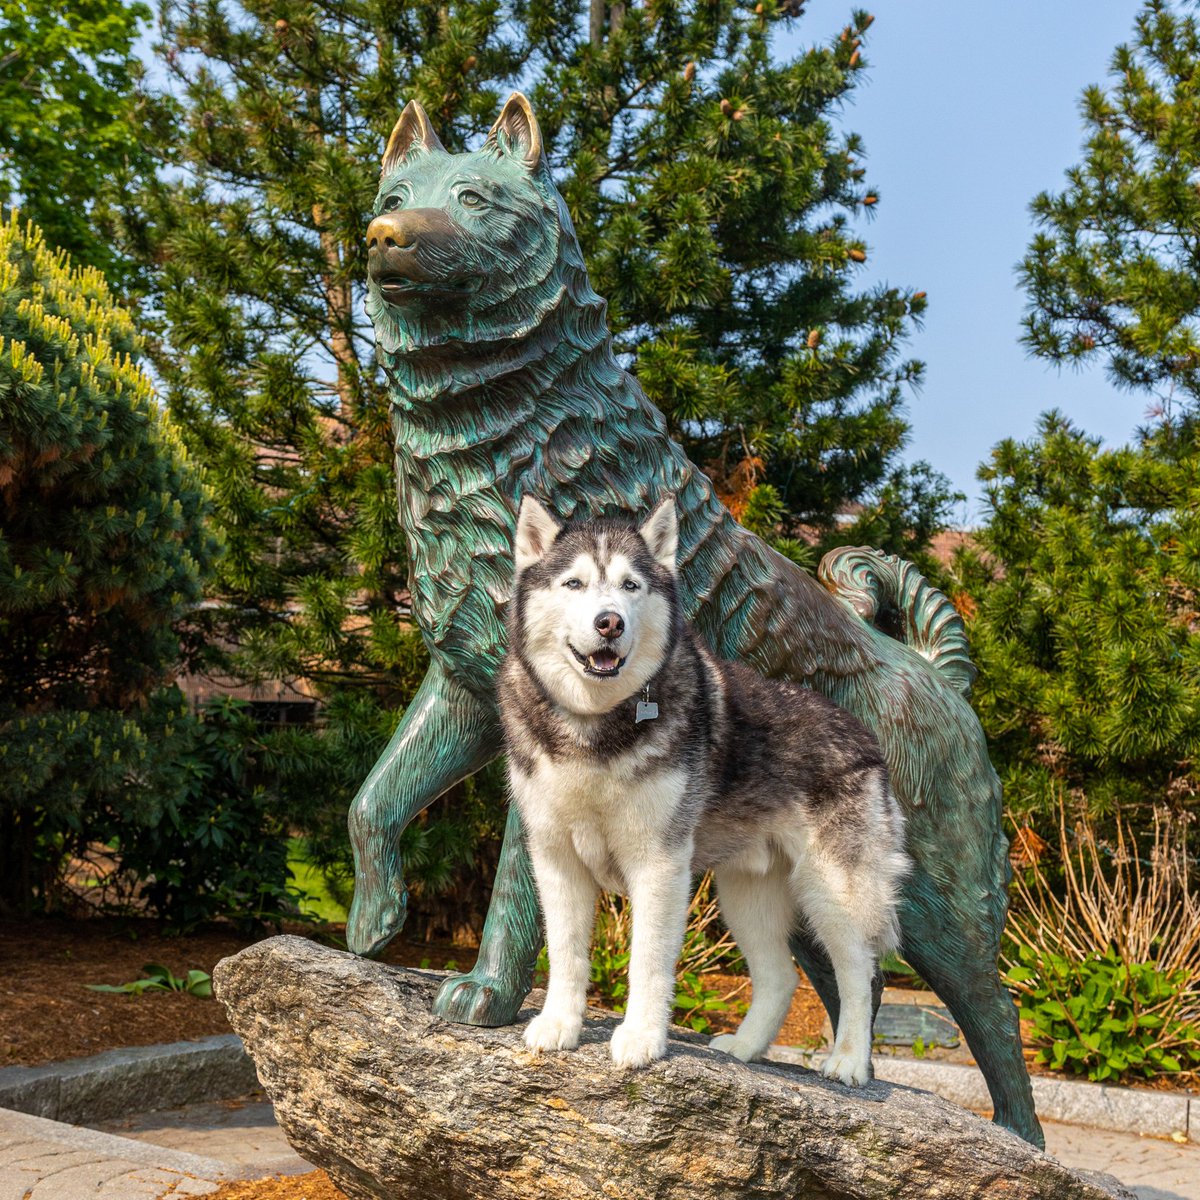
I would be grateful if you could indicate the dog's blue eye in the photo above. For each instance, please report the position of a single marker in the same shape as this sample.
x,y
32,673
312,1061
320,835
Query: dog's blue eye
x,y
631,585
573,584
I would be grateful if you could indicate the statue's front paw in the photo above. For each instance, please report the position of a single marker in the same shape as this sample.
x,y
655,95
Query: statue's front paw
x,y
729,1043
637,1045
478,998
377,912
553,1031
848,1067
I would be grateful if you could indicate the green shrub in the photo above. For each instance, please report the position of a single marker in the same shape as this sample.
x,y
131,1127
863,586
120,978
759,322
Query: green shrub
x,y
104,549
1080,593
1103,1017
216,843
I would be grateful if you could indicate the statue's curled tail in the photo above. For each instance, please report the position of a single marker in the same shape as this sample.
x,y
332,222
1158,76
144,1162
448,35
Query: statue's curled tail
x,y
897,599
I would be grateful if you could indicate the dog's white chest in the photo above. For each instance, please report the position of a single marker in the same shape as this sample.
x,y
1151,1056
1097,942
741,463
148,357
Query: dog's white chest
x,y
611,816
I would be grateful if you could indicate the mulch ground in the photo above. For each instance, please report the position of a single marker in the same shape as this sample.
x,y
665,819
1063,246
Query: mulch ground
x,y
48,1013
314,1186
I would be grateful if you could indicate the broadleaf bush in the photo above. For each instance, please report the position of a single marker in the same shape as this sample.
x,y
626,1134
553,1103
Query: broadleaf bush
x,y
1104,1018
1103,951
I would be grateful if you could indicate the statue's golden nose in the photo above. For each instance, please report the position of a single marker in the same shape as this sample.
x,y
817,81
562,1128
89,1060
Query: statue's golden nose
x,y
391,230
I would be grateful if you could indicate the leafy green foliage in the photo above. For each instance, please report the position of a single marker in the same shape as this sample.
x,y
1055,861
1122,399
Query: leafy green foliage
x,y
1103,1017
159,979
103,555
1103,945
73,120
1081,598
1111,273
215,844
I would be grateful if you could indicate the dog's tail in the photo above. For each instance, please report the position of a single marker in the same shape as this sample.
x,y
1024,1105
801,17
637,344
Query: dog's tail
x,y
897,599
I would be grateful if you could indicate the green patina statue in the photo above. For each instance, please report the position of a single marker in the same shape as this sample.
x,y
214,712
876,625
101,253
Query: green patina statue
x,y
503,382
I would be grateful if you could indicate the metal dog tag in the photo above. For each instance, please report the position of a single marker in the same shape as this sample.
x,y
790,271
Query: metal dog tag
x,y
646,711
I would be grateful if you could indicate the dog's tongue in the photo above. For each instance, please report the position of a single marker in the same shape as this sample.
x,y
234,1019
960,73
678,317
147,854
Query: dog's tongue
x,y
604,660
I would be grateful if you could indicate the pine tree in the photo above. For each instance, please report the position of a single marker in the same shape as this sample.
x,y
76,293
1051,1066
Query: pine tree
x,y
1111,276
718,211
1082,597
103,553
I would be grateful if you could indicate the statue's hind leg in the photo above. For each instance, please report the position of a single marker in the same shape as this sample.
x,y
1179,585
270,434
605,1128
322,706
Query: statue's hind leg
x,y
492,991
965,977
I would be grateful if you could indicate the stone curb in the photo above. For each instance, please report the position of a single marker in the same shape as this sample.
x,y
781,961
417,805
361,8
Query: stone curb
x,y
1095,1105
110,1147
120,1082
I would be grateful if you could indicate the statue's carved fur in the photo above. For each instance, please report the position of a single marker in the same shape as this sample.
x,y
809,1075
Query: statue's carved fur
x,y
504,382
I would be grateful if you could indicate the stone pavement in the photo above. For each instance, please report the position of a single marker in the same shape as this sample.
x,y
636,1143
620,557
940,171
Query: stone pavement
x,y
47,1160
242,1132
1154,1168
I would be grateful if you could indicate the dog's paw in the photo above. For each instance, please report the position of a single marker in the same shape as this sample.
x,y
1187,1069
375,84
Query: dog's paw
x,y
730,1044
851,1069
636,1045
548,1031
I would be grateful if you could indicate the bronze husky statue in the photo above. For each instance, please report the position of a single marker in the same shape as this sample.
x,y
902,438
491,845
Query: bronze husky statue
x,y
503,382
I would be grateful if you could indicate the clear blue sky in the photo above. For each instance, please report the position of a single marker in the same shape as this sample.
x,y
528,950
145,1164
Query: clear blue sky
x,y
968,110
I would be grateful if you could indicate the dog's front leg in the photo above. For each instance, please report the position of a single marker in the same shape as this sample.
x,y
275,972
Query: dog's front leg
x,y
659,889
568,895
446,734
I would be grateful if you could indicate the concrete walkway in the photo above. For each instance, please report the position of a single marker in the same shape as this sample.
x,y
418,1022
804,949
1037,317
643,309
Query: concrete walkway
x,y
242,1132
47,1160
1155,1169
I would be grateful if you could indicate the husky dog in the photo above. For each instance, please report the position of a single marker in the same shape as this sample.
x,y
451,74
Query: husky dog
x,y
637,758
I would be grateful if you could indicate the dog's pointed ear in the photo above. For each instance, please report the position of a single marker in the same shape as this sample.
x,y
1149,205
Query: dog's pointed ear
x,y
536,531
660,532
516,132
413,134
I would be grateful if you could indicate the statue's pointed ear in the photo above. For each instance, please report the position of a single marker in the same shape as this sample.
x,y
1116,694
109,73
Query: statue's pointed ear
x,y
516,132
413,135
660,532
536,531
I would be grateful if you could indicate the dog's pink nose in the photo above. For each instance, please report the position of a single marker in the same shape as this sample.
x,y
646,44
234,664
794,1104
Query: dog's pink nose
x,y
610,625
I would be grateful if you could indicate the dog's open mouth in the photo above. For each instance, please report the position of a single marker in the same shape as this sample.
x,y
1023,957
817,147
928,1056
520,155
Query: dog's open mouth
x,y
603,663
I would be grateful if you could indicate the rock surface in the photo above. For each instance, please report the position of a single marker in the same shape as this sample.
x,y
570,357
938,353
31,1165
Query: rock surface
x,y
395,1103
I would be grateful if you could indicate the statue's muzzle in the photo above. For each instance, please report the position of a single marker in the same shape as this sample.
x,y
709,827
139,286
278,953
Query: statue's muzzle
x,y
403,247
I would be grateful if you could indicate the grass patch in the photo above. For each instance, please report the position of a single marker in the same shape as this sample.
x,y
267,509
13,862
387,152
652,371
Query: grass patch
x,y
317,902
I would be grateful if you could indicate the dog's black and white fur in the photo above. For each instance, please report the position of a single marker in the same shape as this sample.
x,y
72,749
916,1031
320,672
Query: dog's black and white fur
x,y
777,790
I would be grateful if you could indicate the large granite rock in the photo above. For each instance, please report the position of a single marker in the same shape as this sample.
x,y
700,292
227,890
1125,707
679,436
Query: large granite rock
x,y
396,1103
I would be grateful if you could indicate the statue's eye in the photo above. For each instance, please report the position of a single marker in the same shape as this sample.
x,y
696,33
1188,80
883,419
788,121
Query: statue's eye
x,y
631,585
470,199
393,201
573,584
